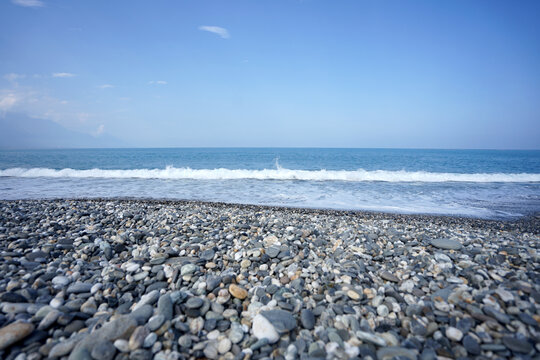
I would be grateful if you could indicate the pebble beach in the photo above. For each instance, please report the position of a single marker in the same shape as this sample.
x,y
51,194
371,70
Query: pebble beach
x,y
148,279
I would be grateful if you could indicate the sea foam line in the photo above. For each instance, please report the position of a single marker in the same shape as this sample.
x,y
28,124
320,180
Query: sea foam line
x,y
360,175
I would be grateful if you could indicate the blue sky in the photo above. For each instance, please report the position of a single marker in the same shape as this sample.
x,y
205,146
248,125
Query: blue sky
x,y
416,74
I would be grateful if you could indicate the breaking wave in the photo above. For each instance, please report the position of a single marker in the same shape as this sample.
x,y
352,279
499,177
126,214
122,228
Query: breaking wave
x,y
280,173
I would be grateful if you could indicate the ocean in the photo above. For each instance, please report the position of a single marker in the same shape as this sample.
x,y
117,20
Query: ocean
x,y
487,184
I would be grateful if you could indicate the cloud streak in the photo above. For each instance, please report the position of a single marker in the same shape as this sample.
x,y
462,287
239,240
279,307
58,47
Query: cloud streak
x,y
105,86
12,77
28,3
222,32
157,82
7,101
63,75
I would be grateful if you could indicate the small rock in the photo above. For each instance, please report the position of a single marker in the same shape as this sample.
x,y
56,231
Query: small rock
x,y
446,244
517,345
454,334
386,275
392,352
238,291
224,345
103,350
13,333
283,321
263,329
307,318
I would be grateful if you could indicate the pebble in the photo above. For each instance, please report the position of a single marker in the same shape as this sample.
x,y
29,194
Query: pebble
x,y
224,345
307,318
238,291
454,334
103,350
13,333
392,352
136,280
263,329
446,244
386,275
471,345
517,345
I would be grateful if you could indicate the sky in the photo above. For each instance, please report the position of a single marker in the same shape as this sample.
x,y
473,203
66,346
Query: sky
x,y
296,73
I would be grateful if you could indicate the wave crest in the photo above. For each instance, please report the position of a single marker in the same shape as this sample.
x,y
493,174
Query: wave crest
x,y
360,175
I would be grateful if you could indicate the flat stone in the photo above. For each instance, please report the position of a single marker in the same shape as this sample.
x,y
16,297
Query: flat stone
x,y
62,348
79,287
155,322
15,308
149,340
283,321
103,350
136,339
12,297
273,251
14,332
194,303
142,313
386,275
165,306
370,337
49,319
391,352
494,313
148,299
517,345
207,255
120,328
353,295
471,345
60,281
446,244
188,269
307,318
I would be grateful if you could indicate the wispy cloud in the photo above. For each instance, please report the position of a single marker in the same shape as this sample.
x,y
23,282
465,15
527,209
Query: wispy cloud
x,y
63,75
105,86
157,82
29,3
12,77
216,30
7,101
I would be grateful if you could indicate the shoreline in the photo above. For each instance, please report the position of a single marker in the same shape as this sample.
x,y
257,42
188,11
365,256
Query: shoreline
x,y
179,279
529,222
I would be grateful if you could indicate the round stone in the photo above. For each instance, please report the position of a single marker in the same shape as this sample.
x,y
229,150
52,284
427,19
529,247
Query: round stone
x,y
382,310
238,291
224,345
454,334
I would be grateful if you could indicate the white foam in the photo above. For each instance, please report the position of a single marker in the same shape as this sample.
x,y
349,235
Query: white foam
x,y
360,175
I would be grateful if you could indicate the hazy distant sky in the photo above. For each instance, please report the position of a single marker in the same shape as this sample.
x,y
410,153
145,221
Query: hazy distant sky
x,y
436,74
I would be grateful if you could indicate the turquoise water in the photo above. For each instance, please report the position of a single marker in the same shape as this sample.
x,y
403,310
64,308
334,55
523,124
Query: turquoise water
x,y
479,183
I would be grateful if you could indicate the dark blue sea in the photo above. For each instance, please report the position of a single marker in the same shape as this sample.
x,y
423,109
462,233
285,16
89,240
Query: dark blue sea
x,y
476,183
